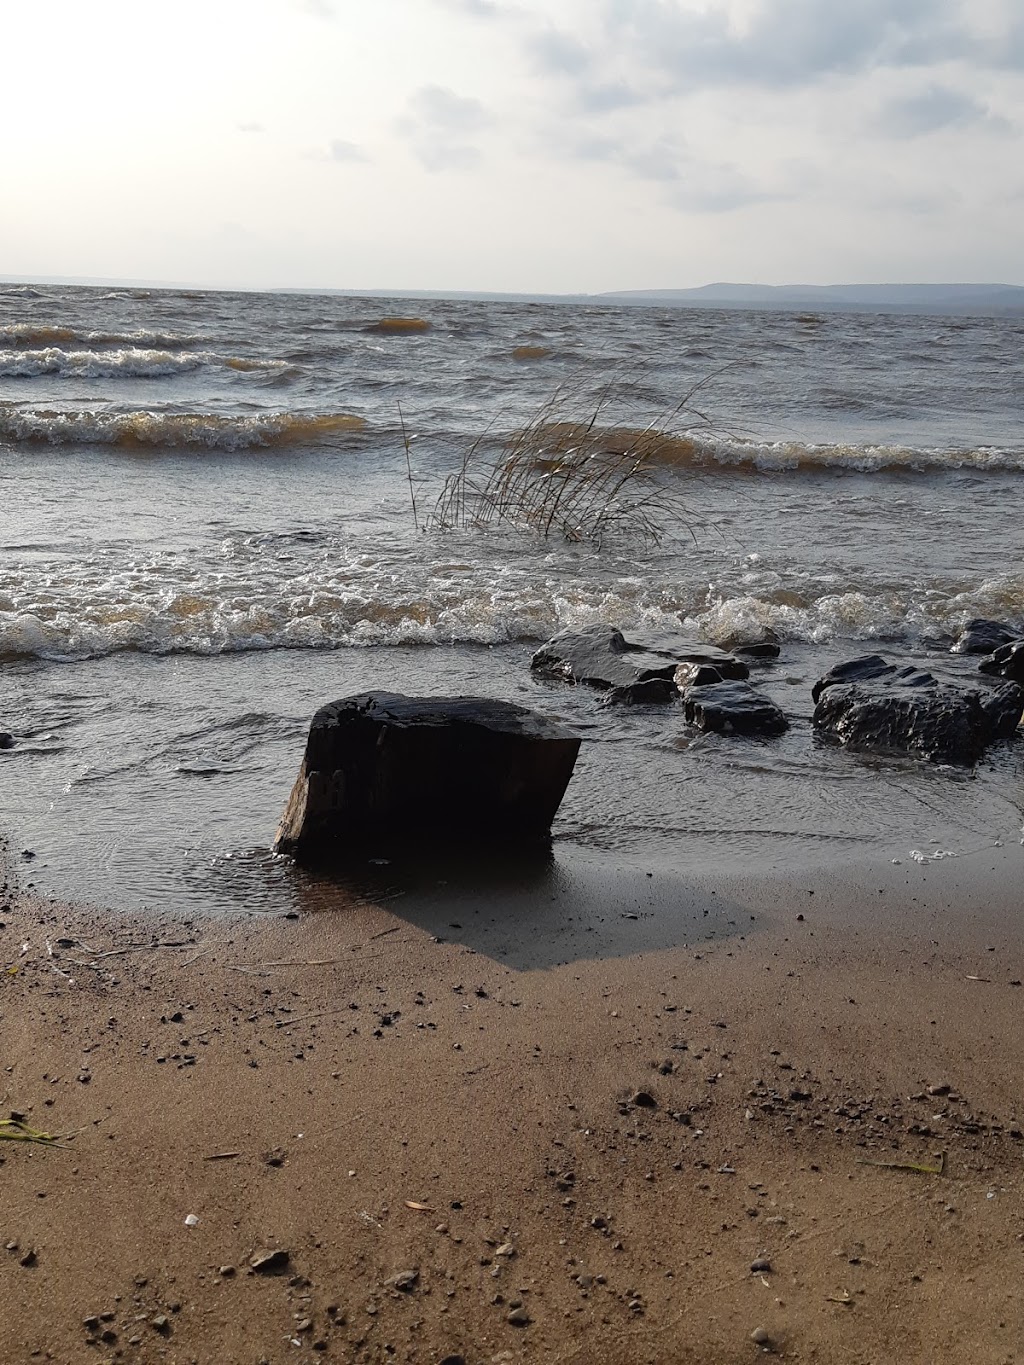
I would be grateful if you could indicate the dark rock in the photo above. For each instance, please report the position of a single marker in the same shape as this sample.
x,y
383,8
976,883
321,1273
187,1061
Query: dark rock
x,y
733,708
760,650
271,1262
871,705
6,739
391,769
1006,662
696,675
519,1317
602,657
983,637
651,691
643,1099
762,1266
863,669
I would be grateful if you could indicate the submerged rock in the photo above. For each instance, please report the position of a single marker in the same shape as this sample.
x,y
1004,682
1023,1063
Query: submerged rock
x,y
980,636
7,740
1006,662
871,705
385,769
733,708
602,657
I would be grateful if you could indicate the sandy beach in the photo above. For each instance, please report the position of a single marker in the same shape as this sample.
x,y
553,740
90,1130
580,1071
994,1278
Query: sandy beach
x,y
688,1121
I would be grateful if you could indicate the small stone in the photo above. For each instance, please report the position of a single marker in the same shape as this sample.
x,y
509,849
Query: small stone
x,y
160,1323
941,1089
519,1317
506,1249
91,1324
762,1266
405,1281
271,1262
85,1075
643,1099
28,1260
599,1221
226,1271
759,1336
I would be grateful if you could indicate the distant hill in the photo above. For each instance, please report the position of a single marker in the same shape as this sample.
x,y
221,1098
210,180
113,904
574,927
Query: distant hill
x,y
983,299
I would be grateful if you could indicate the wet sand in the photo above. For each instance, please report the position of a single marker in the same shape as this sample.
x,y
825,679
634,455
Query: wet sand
x,y
559,1122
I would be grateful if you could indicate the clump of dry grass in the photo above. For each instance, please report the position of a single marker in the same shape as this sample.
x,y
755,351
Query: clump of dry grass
x,y
584,478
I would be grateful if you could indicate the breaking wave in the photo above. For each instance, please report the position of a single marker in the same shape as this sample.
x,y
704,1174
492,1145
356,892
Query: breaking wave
x,y
187,429
36,334
256,599
128,363
654,446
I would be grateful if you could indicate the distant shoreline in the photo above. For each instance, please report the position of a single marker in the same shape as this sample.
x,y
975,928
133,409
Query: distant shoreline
x,y
938,300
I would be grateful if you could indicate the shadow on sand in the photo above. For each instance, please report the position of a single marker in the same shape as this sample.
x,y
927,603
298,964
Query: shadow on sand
x,y
533,908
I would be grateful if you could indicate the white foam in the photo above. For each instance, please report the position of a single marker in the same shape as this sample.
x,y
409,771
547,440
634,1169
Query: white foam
x,y
249,598
155,428
782,456
121,364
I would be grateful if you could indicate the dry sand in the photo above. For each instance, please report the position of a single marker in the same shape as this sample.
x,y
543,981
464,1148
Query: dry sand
x,y
571,1136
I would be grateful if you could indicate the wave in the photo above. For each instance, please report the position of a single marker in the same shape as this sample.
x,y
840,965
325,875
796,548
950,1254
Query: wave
x,y
707,449
176,429
36,334
122,364
254,601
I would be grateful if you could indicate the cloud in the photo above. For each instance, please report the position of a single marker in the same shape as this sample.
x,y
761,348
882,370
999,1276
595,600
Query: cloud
x,y
605,99
437,124
690,182
933,110
479,9
558,53
788,43
341,150
322,9
250,128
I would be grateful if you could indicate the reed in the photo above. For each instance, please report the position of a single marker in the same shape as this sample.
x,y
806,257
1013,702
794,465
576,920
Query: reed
x,y
582,470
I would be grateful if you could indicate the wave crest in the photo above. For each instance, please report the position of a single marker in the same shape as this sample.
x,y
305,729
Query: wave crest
x,y
177,429
131,363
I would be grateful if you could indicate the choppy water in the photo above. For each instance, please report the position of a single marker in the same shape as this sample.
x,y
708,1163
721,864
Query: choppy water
x,y
206,532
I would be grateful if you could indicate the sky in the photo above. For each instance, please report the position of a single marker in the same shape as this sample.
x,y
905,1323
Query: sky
x,y
573,146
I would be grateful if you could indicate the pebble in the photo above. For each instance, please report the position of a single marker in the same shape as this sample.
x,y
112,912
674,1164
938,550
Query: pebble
x,y
405,1280
941,1089
519,1317
760,1337
267,1262
643,1099
506,1249
761,1266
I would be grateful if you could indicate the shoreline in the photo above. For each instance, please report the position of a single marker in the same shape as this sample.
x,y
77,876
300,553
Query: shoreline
x,y
783,1053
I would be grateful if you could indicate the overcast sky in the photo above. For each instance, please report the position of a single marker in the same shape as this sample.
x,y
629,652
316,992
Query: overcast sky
x,y
566,146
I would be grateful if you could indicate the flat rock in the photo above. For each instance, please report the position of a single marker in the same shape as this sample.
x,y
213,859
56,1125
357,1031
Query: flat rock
x,y
602,657
980,636
1006,662
648,692
733,708
871,705
382,769
271,1262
